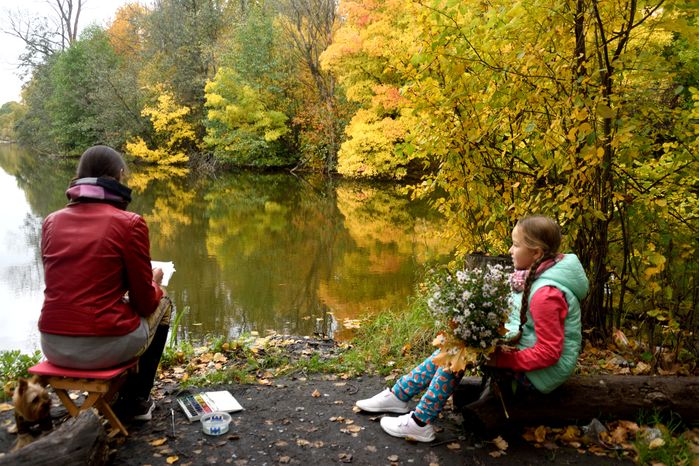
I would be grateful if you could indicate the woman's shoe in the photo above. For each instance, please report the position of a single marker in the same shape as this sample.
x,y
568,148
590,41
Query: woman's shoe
x,y
143,409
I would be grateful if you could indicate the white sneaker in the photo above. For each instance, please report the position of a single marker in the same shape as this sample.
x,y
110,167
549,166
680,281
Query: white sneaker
x,y
384,402
406,427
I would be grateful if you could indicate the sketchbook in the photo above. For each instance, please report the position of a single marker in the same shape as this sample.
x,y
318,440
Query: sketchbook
x,y
195,405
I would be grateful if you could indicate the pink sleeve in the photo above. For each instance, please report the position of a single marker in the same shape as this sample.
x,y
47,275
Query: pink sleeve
x,y
548,309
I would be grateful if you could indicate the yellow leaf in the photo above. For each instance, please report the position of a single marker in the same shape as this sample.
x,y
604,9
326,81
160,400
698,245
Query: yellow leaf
x,y
500,443
315,393
158,442
5,407
172,459
454,446
540,434
656,443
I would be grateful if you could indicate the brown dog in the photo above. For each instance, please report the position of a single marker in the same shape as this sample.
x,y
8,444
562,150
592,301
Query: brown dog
x,y
32,411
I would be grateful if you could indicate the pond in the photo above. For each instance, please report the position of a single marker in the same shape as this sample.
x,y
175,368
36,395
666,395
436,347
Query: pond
x,y
253,252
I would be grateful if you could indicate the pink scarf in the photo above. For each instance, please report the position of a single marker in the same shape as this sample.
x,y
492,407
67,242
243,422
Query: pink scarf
x,y
519,277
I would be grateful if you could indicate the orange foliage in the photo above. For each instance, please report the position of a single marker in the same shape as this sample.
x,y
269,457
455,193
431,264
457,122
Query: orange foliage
x,y
125,32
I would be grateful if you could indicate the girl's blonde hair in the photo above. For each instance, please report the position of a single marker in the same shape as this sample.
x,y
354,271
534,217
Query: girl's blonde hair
x,y
544,233
540,232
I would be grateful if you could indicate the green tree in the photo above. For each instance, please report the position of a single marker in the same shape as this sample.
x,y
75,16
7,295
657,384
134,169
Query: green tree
x,y
241,128
307,27
178,49
248,101
80,97
10,113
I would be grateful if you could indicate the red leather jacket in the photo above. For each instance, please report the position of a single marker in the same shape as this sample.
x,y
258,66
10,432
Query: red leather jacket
x,y
93,253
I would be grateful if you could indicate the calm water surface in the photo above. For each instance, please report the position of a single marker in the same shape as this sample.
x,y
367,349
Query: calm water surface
x,y
252,252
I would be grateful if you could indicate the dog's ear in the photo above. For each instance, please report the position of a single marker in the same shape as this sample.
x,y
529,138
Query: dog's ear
x,y
38,380
22,386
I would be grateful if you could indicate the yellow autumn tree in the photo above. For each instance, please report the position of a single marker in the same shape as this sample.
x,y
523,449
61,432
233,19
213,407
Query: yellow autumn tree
x,y
173,134
369,55
579,110
126,31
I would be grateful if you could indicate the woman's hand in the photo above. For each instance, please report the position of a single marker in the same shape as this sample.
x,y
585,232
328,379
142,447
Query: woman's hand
x,y
158,275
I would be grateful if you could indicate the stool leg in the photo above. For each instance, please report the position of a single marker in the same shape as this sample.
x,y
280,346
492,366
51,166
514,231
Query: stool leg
x,y
72,408
106,411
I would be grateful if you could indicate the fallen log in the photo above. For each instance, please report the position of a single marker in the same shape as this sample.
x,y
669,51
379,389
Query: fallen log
x,y
78,441
579,400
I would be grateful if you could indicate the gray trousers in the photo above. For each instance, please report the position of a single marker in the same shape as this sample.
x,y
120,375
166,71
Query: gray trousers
x,y
79,352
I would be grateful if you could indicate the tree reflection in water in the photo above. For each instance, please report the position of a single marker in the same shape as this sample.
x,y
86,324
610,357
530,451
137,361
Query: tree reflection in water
x,y
263,252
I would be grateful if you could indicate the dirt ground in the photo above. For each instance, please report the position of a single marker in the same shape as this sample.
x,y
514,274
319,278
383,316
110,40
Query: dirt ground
x,y
311,421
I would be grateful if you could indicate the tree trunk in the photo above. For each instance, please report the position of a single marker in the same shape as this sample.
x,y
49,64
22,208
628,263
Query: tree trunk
x,y
78,441
580,399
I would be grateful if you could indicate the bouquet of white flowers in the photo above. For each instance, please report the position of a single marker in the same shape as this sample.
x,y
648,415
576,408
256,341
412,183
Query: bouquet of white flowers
x,y
472,306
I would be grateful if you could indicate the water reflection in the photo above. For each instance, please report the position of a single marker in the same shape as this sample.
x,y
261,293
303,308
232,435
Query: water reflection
x,y
252,251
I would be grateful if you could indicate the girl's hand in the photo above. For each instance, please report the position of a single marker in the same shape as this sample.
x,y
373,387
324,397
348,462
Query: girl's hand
x,y
158,275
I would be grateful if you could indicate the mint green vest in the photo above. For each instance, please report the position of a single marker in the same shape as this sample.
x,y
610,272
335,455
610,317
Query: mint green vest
x,y
547,379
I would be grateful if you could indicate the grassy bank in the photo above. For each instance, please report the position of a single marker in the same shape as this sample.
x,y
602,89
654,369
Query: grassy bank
x,y
391,342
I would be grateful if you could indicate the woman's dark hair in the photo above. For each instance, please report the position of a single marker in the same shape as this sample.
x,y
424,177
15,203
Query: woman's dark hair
x,y
543,233
100,161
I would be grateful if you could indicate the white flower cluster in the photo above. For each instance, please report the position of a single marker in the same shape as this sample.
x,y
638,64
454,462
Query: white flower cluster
x,y
473,304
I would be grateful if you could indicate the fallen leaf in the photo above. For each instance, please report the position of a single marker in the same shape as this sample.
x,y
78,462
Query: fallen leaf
x,y
570,434
280,443
540,434
6,407
496,453
500,443
302,442
656,443
318,444
392,458
158,442
641,368
528,434
172,459
345,457
315,393
371,448
454,446
619,435
284,459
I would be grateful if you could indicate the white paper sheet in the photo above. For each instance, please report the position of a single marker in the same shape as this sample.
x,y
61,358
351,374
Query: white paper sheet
x,y
168,270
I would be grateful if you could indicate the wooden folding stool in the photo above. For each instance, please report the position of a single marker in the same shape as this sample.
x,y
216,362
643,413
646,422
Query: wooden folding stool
x,y
100,385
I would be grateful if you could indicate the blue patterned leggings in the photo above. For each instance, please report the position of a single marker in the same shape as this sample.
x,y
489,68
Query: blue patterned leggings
x,y
440,385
